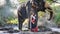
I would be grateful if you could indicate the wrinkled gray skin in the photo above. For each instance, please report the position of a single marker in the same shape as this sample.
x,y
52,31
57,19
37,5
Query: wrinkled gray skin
x,y
25,13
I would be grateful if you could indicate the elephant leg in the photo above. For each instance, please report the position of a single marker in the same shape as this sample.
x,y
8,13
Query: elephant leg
x,y
22,15
20,20
36,18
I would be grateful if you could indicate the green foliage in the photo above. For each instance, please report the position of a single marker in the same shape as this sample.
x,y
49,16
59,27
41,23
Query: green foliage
x,y
49,1
12,20
22,1
57,16
2,22
10,17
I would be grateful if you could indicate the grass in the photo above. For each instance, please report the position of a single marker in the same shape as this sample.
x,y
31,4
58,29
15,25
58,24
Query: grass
x,y
22,1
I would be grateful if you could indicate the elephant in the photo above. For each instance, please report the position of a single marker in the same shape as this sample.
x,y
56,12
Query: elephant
x,y
35,6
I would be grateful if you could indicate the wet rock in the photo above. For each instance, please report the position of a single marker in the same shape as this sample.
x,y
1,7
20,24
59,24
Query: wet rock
x,y
55,33
43,29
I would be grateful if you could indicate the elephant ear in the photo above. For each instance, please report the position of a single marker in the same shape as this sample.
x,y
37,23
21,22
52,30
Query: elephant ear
x,y
47,5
